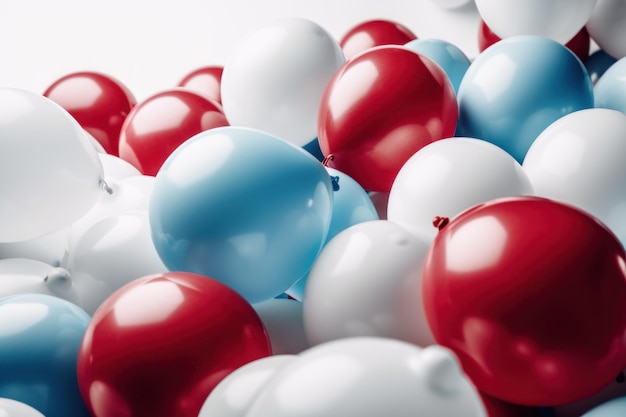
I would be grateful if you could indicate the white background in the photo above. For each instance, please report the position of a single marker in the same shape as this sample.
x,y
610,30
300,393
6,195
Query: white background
x,y
151,45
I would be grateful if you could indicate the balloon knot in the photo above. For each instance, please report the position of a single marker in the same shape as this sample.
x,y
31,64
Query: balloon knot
x,y
440,222
335,180
106,187
327,159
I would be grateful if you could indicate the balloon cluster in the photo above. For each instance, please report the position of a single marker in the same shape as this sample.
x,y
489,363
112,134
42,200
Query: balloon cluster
x,y
361,226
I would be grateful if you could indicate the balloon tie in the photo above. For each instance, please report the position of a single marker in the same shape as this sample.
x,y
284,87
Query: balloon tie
x,y
335,180
327,159
440,222
105,186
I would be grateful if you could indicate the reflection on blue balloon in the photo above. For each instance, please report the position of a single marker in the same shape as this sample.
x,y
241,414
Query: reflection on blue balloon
x,y
610,91
517,88
243,207
598,63
40,336
612,408
449,57
351,205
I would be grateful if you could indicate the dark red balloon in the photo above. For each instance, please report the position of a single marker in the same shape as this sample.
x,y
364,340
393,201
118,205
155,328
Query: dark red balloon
x,y
100,104
379,109
579,44
161,123
159,345
373,33
206,81
530,295
498,408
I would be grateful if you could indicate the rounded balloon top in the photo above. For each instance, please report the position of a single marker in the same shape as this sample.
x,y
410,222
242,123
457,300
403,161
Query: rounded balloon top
x,y
373,33
51,174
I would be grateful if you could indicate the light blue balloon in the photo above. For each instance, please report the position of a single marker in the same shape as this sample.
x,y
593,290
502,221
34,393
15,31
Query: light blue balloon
x,y
243,207
518,87
613,408
449,57
610,90
351,205
40,336
598,63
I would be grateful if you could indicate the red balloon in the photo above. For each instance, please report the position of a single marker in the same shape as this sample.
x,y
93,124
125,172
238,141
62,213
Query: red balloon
x,y
498,408
158,125
159,345
206,81
98,102
379,109
579,44
530,295
373,33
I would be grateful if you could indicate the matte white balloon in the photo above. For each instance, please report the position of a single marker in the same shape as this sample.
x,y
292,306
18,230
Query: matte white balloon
x,y
367,282
282,318
28,276
233,396
607,27
449,176
581,159
560,20
111,253
12,408
275,78
116,168
51,174
369,377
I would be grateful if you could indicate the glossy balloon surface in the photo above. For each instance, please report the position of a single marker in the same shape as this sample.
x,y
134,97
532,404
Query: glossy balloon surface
x,y
372,33
367,282
519,86
559,20
597,64
526,291
12,408
607,27
98,102
367,377
379,109
159,345
610,91
242,206
581,160
51,173
275,77
40,337
206,81
159,124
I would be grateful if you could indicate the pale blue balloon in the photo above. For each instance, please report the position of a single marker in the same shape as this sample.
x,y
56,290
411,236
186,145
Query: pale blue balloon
x,y
351,205
597,64
610,90
243,207
447,55
40,336
518,87
613,408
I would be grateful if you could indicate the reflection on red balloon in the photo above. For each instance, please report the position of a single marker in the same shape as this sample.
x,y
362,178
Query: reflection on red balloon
x,y
379,109
159,345
579,44
373,33
100,104
159,124
529,293
206,81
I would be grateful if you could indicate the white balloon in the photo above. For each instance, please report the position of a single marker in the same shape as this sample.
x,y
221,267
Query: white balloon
x,y
234,394
50,173
581,159
28,276
116,168
450,4
560,20
448,176
283,321
12,408
607,27
367,282
369,377
111,253
274,80
50,249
